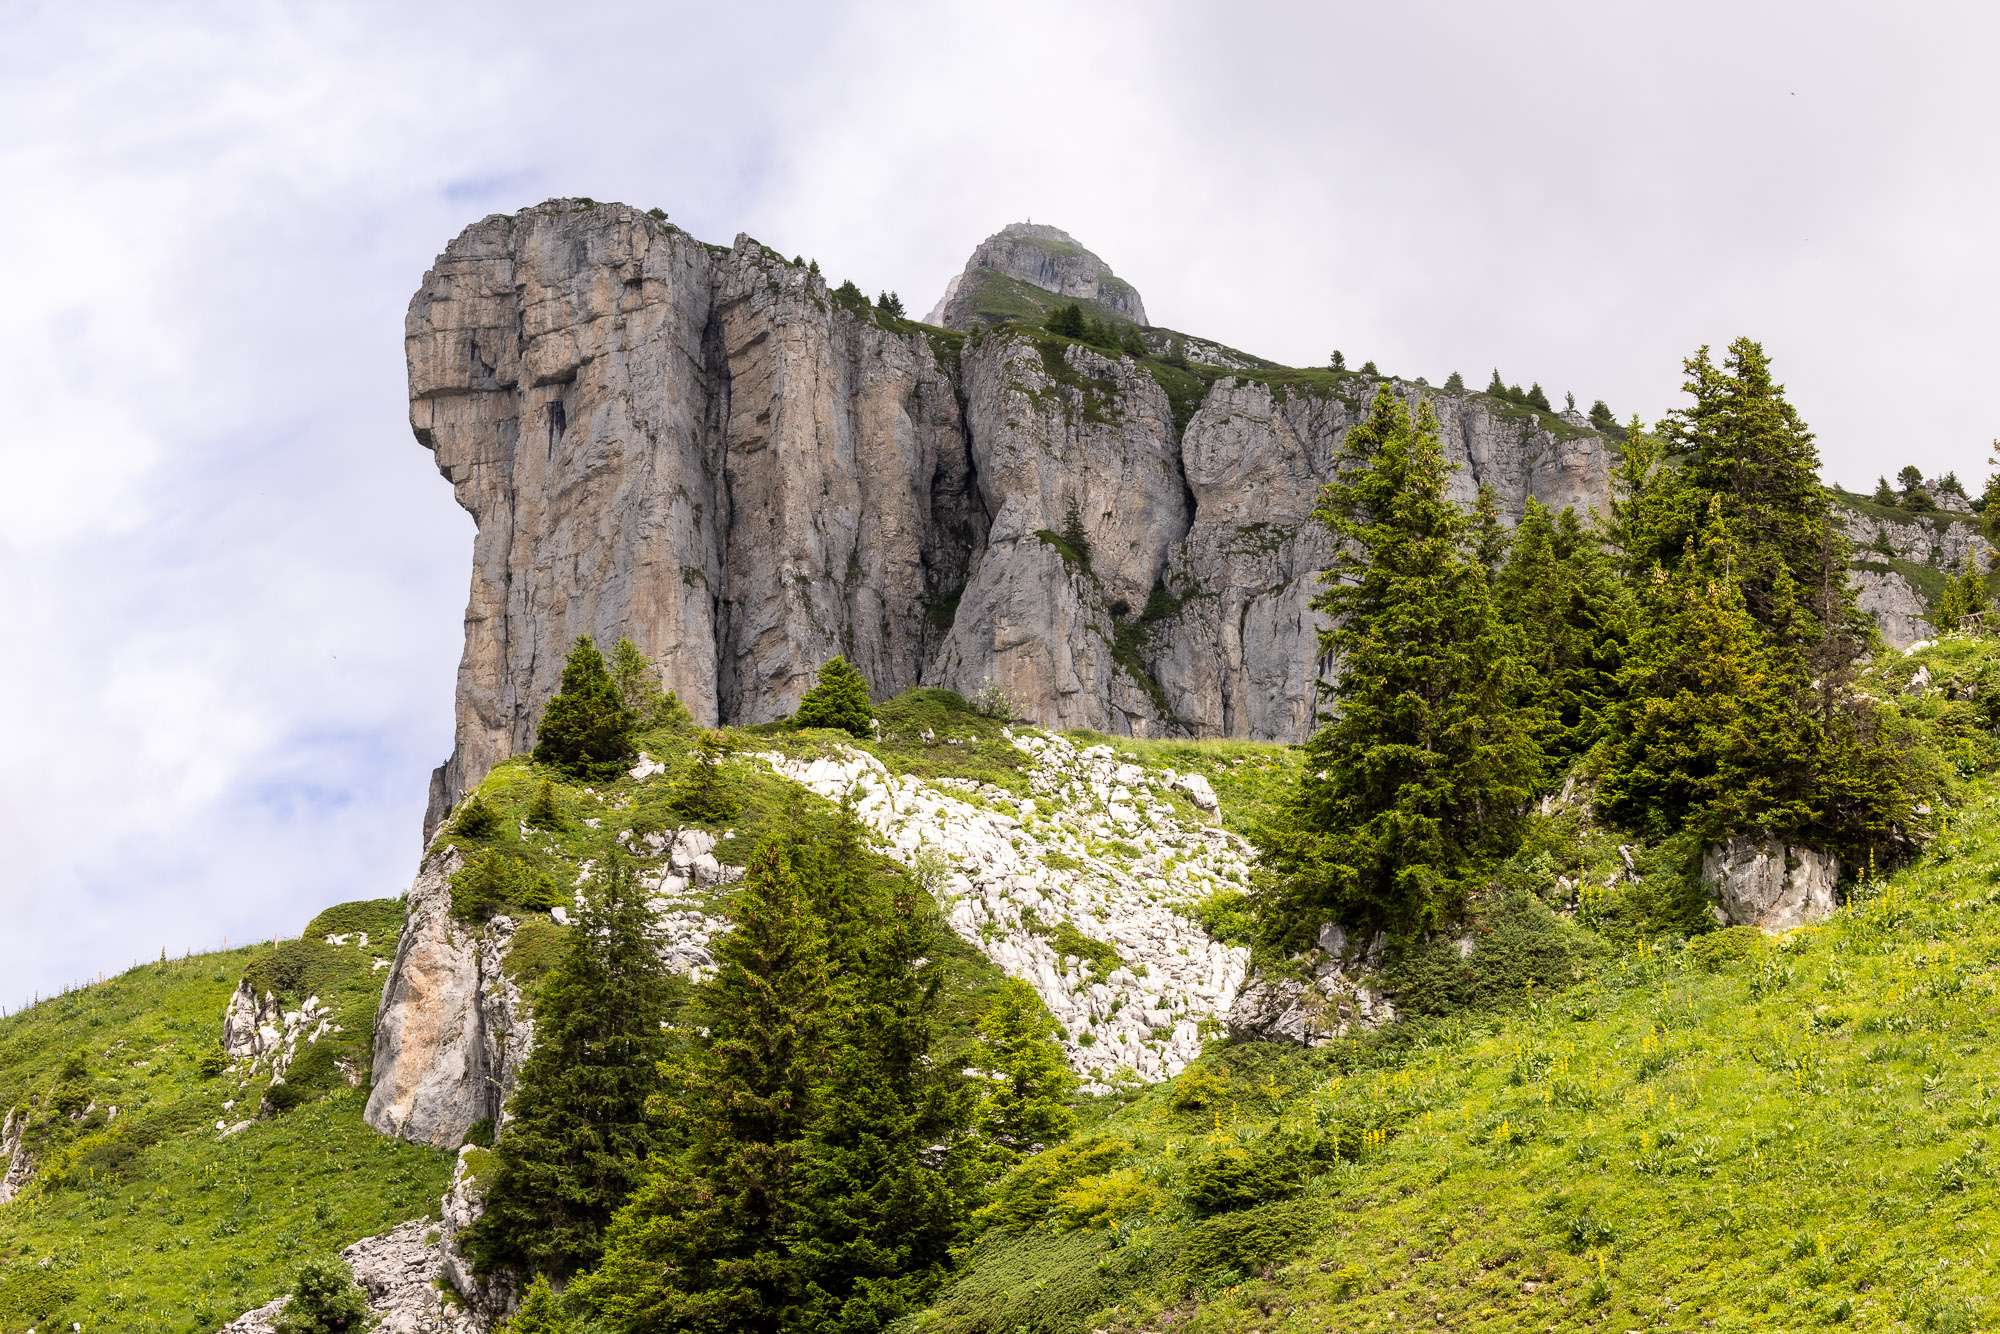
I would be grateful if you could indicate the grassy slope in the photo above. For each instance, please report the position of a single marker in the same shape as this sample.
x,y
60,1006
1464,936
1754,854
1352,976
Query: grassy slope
x,y
149,1221
1738,1134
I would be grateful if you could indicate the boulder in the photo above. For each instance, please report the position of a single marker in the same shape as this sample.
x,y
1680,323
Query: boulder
x,y
1764,882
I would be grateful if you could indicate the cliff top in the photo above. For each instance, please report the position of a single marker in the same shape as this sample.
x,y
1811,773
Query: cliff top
x,y
1027,269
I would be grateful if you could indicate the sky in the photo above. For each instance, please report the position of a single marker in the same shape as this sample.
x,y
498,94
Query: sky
x,y
232,583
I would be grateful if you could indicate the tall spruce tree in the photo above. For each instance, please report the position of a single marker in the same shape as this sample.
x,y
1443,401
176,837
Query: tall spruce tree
x,y
1490,538
586,730
1420,771
638,685
577,1133
883,1165
1569,608
704,1245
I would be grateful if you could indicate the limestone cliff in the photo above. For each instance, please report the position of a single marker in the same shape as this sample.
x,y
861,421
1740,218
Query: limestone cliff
x,y
704,449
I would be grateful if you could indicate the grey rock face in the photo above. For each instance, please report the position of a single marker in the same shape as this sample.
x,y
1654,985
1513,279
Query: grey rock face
x,y
451,1032
1764,883
1240,654
1900,611
398,1271
700,449
1330,995
15,1166
1041,256
1943,541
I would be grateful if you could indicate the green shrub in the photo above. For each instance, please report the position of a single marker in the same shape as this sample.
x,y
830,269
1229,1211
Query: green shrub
x,y
1230,1247
475,820
495,879
324,1301
1241,1176
1519,946
1033,1191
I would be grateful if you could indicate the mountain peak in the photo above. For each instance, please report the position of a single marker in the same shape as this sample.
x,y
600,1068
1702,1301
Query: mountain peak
x,y
1026,269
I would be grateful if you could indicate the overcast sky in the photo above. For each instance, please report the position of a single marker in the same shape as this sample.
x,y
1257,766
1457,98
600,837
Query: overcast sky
x,y
232,582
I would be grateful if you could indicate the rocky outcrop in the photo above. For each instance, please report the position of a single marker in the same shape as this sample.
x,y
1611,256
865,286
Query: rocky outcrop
x,y
16,1167
1322,996
399,1272
1043,257
1765,883
1899,609
452,1030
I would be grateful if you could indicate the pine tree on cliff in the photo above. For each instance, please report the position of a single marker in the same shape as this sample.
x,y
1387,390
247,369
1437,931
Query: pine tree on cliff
x,y
705,1243
1066,320
1454,383
586,730
1025,1107
839,699
1419,775
578,1132
1883,495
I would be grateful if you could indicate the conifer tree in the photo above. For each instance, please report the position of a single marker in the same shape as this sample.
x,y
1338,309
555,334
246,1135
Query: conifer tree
x,y
1963,597
325,1300
540,1312
1600,416
1133,343
1066,320
1368,368
838,699
890,304
1909,480
639,688
1338,361
703,1245
1536,398
586,729
1025,1103
577,1133
1420,771
882,1167
1883,495
1713,735
1454,383
1569,607
1496,386
1490,538
703,793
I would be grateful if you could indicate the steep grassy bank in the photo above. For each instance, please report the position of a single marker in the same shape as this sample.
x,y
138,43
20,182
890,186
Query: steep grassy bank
x,y
1737,1133
149,1218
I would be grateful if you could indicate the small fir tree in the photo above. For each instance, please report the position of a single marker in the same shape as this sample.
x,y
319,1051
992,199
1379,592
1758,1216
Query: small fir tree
x,y
577,1134
1066,320
540,1312
1338,361
543,813
1496,386
705,1243
1601,418
1419,773
704,793
1489,536
325,1300
1883,494
1569,402
1909,480
586,729
1962,599
1368,368
1025,1104
1454,383
1535,398
839,699
638,684
889,303
1132,343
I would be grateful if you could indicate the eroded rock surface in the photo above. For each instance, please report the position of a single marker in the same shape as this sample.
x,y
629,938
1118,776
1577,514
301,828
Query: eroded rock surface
x,y
1762,882
16,1167
399,1272
452,1030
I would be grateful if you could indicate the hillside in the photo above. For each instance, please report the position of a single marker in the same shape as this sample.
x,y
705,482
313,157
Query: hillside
x,y
156,1197
1730,1131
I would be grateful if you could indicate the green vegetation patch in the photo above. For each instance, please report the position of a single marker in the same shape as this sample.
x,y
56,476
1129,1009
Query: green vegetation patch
x,y
148,1220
